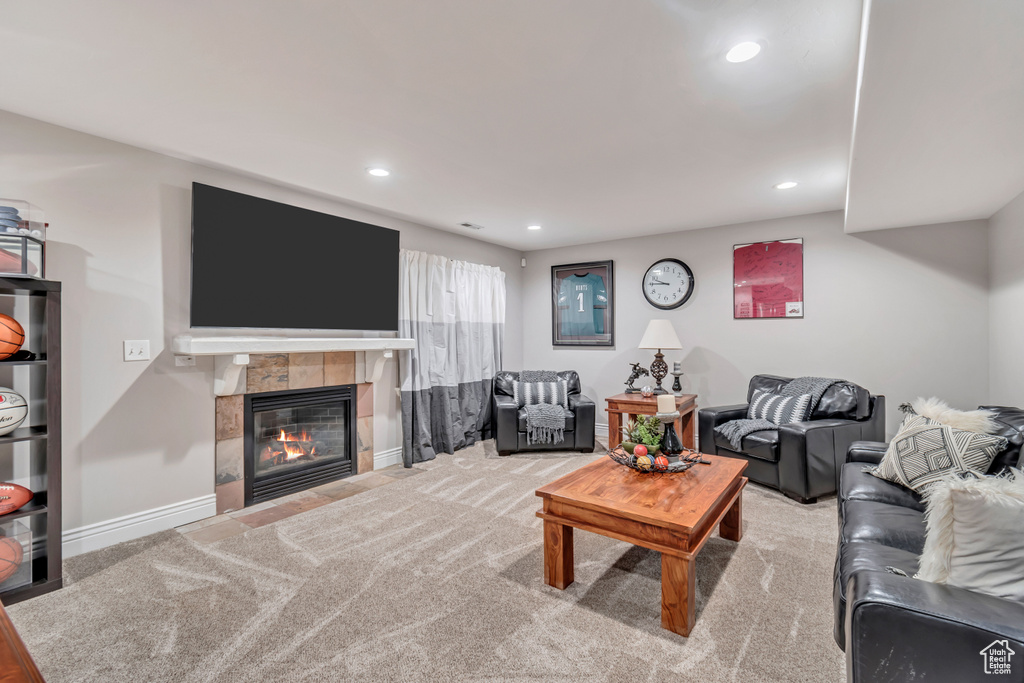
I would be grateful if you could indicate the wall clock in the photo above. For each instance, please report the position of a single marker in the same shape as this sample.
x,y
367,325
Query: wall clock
x,y
668,283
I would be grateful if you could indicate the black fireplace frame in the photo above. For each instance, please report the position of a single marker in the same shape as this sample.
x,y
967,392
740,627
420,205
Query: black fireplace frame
x,y
269,487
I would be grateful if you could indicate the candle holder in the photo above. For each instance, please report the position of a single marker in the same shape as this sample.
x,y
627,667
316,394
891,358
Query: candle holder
x,y
670,443
677,388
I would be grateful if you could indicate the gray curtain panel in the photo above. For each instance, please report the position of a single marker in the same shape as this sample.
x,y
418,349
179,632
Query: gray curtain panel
x,y
455,311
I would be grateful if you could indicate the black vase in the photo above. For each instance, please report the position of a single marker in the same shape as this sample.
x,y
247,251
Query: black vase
x,y
670,443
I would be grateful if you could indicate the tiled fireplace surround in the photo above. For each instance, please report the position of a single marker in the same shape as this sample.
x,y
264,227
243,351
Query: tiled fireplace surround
x,y
278,372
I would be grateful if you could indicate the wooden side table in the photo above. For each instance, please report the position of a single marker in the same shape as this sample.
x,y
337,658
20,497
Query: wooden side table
x,y
631,405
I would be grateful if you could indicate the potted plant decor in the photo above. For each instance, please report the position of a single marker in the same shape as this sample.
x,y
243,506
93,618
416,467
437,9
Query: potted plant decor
x,y
646,430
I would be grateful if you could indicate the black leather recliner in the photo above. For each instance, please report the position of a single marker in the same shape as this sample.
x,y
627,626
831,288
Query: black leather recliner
x,y
510,419
802,459
897,628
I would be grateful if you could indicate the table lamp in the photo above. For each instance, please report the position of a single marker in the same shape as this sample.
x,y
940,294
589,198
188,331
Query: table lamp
x,y
660,335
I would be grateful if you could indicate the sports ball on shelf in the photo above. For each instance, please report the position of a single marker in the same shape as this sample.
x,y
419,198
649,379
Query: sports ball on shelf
x,y
660,463
644,463
13,410
12,336
11,554
12,497
639,450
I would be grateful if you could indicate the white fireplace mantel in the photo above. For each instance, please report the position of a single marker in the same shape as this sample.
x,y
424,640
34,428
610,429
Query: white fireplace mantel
x,y
232,353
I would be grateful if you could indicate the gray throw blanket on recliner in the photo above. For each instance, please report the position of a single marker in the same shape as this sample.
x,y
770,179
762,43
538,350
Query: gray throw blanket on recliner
x,y
735,430
545,421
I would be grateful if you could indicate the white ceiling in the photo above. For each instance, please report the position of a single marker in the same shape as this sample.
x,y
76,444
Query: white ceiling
x,y
940,122
596,118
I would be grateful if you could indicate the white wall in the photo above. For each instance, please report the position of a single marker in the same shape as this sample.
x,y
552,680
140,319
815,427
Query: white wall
x,y
141,435
900,312
1006,303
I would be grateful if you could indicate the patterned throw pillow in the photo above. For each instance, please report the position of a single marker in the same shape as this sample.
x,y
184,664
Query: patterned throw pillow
x,y
532,393
780,410
923,451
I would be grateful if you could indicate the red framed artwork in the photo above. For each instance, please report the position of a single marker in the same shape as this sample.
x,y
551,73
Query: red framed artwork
x,y
768,279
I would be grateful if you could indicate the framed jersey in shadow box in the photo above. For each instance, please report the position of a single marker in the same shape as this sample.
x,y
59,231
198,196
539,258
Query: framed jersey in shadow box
x,y
582,304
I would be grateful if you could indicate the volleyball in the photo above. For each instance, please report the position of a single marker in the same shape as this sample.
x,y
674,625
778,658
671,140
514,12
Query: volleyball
x,y
13,410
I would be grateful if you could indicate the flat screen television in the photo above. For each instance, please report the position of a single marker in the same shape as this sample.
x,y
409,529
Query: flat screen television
x,y
263,264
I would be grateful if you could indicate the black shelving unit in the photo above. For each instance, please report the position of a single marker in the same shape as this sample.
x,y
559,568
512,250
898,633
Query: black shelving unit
x,y
43,511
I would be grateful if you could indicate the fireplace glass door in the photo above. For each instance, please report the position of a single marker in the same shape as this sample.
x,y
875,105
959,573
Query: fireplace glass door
x,y
297,439
289,438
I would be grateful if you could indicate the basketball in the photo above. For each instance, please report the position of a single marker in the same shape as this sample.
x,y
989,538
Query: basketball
x,y
13,410
12,336
11,555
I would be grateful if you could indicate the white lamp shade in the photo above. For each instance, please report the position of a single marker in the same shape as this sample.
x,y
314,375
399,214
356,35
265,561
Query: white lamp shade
x,y
660,335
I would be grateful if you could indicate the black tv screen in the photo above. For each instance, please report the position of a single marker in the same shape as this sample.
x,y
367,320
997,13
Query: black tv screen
x,y
258,263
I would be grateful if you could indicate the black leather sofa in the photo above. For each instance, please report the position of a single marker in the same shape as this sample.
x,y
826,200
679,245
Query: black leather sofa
x,y
801,459
897,628
510,419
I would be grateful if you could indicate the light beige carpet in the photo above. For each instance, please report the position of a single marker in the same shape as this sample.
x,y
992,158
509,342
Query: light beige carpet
x,y
439,577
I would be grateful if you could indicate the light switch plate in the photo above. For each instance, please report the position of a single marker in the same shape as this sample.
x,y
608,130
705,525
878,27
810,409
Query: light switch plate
x,y
136,349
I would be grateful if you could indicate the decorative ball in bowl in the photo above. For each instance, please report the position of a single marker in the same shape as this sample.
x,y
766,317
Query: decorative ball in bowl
x,y
659,463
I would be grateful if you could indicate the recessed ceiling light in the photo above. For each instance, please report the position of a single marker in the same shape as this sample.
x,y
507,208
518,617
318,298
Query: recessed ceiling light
x,y
533,227
742,52
788,185
378,171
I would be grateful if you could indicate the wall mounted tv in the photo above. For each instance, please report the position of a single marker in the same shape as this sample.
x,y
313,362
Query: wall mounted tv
x,y
263,264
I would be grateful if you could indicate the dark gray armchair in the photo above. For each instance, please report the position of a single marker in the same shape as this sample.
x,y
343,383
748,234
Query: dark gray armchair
x,y
802,459
510,419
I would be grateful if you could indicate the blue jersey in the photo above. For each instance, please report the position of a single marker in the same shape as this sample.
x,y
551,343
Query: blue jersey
x,y
582,301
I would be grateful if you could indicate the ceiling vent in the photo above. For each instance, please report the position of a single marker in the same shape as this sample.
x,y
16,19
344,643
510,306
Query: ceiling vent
x,y
472,226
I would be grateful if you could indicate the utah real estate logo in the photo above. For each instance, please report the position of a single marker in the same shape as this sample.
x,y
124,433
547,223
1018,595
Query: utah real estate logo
x,y
997,657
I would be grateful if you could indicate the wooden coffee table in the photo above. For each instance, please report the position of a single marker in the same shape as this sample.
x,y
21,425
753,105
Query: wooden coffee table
x,y
673,513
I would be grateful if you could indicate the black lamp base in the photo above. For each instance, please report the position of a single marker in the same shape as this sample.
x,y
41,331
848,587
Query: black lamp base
x,y
659,368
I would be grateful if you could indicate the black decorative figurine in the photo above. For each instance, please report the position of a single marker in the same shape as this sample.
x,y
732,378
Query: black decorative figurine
x,y
638,371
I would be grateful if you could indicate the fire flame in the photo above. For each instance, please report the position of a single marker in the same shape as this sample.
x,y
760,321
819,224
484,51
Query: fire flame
x,y
291,446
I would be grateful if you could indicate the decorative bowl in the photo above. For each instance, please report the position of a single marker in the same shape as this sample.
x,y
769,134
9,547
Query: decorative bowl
x,y
657,464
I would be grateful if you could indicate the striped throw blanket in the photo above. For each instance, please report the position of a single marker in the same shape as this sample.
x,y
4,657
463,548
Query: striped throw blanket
x,y
794,403
546,399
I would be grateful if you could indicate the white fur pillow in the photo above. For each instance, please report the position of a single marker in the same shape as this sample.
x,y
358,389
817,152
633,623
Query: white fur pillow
x,y
974,538
979,421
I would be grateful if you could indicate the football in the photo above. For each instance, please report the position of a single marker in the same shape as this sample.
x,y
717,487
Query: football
x,y
12,497
11,554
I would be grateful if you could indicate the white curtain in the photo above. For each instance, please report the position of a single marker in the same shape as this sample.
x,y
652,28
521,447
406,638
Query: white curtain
x,y
455,311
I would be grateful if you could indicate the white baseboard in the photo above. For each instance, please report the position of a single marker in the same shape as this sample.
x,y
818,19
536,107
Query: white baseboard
x,y
392,456
127,528
601,430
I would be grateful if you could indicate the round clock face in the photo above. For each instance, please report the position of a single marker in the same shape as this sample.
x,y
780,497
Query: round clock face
x,y
668,283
